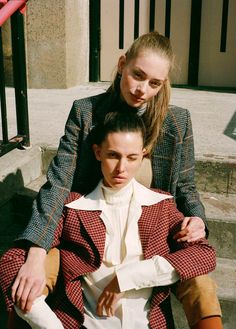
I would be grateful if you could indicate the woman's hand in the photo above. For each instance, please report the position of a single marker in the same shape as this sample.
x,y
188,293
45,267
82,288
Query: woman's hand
x,y
109,298
30,280
192,229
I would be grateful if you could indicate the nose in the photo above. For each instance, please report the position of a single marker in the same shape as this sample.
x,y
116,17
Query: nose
x,y
142,86
120,166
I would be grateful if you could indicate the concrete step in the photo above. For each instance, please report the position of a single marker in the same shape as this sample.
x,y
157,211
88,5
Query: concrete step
x,y
216,174
224,276
18,169
221,220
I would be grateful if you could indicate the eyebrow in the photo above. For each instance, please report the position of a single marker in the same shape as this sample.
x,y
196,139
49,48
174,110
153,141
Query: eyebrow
x,y
131,154
143,72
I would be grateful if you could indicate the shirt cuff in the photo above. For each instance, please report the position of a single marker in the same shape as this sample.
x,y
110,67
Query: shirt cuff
x,y
136,275
166,273
156,271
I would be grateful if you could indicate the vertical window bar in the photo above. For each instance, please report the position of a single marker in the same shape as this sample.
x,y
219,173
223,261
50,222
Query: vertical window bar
x,y
94,39
136,19
121,25
167,23
194,45
224,25
3,95
152,15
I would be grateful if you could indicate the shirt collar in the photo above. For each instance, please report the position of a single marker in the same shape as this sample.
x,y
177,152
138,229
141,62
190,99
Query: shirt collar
x,y
95,199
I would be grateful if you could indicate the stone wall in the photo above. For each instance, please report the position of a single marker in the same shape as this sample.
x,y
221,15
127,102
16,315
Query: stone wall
x,y
57,44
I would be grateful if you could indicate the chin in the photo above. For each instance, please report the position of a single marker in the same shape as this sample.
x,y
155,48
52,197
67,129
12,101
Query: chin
x,y
118,186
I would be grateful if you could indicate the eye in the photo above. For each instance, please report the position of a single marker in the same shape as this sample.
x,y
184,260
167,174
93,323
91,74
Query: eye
x,y
132,158
155,84
112,155
137,75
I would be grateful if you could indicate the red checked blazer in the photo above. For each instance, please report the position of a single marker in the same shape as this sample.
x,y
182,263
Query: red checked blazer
x,y
81,236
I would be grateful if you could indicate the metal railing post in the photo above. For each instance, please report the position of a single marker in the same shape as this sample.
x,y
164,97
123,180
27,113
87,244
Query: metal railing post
x,y
3,94
20,79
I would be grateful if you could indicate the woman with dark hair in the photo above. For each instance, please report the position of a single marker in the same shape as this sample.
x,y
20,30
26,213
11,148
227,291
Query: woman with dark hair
x,y
118,256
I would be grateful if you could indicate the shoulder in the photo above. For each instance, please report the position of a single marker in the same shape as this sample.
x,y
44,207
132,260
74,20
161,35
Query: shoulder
x,y
88,101
148,196
83,109
157,190
168,197
177,122
72,197
177,114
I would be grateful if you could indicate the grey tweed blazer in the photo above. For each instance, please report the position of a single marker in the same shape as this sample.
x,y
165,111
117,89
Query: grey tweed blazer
x,y
75,168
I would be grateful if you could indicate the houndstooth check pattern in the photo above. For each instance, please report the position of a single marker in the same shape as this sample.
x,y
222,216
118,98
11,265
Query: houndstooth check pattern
x,y
81,239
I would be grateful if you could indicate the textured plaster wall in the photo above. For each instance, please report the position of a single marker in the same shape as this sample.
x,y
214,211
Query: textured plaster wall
x,y
77,41
57,43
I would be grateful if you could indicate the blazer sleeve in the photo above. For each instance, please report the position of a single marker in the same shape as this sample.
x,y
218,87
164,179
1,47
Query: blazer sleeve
x,y
188,259
48,206
187,197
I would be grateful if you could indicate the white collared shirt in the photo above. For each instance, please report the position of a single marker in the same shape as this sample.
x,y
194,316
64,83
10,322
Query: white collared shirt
x,y
123,256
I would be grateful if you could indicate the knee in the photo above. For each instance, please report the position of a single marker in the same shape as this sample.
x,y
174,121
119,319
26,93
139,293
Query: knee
x,y
52,265
201,285
195,294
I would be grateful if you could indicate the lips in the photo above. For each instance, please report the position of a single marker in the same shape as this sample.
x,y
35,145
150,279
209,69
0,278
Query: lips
x,y
136,98
119,178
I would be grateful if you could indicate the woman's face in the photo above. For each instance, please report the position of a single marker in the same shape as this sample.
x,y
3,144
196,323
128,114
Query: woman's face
x,y
142,77
120,155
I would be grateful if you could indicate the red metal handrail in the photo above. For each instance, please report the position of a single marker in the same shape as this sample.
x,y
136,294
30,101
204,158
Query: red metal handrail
x,y
10,7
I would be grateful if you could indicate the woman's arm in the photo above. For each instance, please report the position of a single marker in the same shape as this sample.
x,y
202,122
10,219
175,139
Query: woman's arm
x,y
47,209
48,206
185,260
187,197
31,278
188,259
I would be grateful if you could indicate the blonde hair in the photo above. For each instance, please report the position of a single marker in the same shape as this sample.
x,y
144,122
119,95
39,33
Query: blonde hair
x,y
157,107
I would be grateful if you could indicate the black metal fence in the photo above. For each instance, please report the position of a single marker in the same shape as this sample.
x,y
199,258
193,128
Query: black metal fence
x,y
20,85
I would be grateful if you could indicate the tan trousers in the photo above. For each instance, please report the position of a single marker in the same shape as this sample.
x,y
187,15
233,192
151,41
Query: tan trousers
x,y
199,298
197,295
52,264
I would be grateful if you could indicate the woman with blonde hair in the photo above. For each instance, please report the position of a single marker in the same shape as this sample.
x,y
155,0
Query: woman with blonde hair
x,y
141,85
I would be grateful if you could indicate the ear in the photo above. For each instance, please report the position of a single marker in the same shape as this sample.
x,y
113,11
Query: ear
x,y
97,151
145,152
121,63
